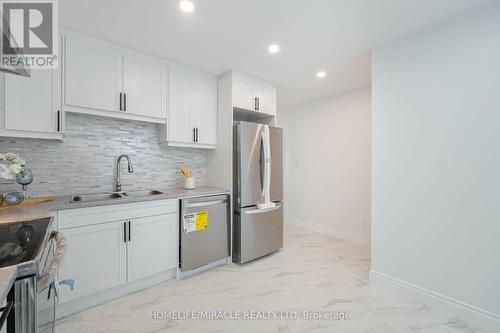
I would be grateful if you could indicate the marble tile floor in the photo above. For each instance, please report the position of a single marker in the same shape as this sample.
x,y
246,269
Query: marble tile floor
x,y
313,273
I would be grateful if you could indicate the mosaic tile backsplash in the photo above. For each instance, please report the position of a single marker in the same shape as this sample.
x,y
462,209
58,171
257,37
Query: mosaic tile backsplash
x,y
85,161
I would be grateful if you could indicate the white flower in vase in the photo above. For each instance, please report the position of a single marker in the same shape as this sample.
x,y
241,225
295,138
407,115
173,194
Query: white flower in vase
x,y
6,172
13,167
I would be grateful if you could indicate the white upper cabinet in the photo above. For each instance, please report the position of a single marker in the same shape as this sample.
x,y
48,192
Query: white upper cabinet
x,y
144,87
104,80
192,110
253,94
31,107
244,92
107,81
93,75
180,107
266,98
206,110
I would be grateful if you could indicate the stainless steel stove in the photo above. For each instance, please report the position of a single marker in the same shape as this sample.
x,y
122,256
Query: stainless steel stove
x,y
33,247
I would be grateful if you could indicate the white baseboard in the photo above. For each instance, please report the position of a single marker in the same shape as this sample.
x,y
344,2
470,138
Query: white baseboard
x,y
330,231
477,317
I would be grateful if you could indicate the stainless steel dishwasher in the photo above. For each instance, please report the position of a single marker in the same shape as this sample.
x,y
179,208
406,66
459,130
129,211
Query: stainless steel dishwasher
x,y
204,231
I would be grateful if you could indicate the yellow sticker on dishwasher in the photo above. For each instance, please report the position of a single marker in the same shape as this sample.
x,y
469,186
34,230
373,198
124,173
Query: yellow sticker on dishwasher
x,y
201,220
195,221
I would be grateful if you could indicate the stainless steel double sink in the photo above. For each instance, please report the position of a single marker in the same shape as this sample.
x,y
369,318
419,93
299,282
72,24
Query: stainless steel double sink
x,y
114,195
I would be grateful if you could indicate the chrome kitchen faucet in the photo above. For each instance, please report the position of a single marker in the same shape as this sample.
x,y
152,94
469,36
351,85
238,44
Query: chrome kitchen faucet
x,y
130,170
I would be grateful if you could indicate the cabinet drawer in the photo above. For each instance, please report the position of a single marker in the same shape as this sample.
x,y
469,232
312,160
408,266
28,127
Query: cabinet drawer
x,y
71,218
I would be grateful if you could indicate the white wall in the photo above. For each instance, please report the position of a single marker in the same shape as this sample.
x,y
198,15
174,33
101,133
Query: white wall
x,y
436,160
327,164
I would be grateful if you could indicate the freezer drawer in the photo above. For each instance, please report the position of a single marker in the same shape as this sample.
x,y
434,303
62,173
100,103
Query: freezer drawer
x,y
257,232
204,231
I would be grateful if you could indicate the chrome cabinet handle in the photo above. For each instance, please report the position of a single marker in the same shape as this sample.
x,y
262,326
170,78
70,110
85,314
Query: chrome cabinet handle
x,y
124,102
124,232
194,134
121,99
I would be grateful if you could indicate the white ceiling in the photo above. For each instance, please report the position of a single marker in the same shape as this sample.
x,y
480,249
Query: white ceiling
x,y
334,35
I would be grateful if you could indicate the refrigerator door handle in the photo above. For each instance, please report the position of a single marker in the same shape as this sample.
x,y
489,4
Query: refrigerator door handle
x,y
266,189
262,211
262,165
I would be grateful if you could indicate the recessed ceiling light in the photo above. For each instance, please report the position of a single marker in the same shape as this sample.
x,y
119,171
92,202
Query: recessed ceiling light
x,y
274,48
320,74
186,6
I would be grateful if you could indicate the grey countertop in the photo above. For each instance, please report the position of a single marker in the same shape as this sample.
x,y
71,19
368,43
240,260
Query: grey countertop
x,y
64,202
7,278
8,274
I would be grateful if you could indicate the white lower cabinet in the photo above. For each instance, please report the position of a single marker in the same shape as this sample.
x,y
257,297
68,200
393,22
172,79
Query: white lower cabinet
x,y
114,250
150,247
96,258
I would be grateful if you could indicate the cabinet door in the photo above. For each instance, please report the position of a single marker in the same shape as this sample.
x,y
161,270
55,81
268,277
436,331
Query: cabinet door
x,y
33,104
144,82
93,75
243,93
206,110
95,258
152,246
180,106
266,95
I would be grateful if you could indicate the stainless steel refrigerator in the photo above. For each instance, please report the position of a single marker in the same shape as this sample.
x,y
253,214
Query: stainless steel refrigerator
x,y
258,191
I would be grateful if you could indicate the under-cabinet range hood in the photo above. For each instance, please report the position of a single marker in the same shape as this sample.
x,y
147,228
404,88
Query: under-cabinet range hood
x,y
5,66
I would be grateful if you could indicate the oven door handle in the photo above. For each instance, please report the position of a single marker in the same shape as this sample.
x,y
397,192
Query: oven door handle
x,y
51,268
60,242
5,312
